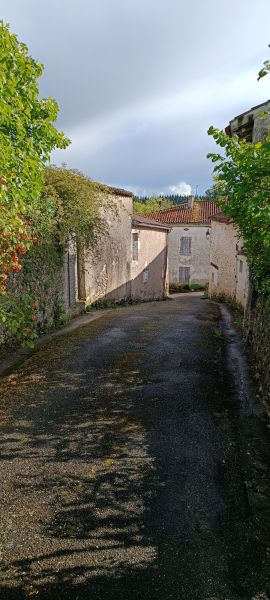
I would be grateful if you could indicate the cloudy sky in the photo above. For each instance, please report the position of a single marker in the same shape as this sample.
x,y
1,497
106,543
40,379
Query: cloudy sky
x,y
138,82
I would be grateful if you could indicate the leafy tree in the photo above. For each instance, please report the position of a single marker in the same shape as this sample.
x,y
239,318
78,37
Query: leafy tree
x,y
153,204
27,137
211,194
242,177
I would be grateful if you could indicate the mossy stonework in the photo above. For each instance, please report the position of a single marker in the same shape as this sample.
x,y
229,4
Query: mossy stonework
x,y
39,293
257,325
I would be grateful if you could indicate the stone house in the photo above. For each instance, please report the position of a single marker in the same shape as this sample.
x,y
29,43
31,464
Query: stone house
x,y
104,271
228,271
251,125
129,261
149,266
188,240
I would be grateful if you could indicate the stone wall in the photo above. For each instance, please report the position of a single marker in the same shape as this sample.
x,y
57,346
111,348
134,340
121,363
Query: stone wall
x,y
222,271
242,286
257,327
197,261
44,279
228,271
107,268
149,272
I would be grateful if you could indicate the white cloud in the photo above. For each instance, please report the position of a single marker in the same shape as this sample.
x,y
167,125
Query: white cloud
x,y
182,188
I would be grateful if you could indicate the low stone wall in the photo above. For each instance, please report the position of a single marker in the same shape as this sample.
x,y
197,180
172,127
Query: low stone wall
x,y
43,280
257,326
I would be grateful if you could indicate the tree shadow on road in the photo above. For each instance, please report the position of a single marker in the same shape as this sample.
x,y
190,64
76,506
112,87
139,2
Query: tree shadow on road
x,y
96,504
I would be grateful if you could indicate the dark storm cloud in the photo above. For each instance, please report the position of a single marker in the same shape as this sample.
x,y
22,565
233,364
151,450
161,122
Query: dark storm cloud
x,y
139,81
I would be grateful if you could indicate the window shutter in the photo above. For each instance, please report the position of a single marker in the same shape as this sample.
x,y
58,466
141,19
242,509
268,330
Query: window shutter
x,y
184,274
135,246
185,246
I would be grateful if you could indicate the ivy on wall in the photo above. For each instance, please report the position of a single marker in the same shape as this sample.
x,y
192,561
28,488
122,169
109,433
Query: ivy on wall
x,y
70,204
242,175
27,137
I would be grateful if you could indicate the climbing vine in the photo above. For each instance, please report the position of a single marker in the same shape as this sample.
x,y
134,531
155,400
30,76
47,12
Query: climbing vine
x,y
74,204
27,137
70,206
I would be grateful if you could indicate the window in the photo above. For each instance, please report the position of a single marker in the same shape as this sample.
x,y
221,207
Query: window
x,y
145,275
184,274
185,246
240,266
135,246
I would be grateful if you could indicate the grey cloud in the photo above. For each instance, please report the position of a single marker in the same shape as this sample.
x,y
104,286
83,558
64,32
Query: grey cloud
x,y
104,57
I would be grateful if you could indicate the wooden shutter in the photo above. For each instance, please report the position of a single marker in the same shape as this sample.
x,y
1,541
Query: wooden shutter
x,y
185,246
184,274
135,246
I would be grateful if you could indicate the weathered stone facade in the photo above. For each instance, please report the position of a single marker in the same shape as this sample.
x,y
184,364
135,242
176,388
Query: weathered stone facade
x,y
109,271
149,266
228,271
252,125
43,279
197,262
105,270
64,282
188,240
257,327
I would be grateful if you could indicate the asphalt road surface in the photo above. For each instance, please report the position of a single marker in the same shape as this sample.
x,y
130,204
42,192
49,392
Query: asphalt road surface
x,y
134,464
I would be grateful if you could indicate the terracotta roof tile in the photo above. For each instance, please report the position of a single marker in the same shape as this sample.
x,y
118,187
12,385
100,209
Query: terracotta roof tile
x,y
149,222
201,212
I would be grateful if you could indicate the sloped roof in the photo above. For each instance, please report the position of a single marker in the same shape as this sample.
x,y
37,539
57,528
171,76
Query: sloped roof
x,y
201,213
113,190
148,222
221,218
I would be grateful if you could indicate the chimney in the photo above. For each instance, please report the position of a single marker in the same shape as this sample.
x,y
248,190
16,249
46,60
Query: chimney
x,y
190,202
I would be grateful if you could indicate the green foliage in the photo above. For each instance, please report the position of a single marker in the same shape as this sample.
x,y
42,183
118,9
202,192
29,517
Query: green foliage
x,y
196,287
18,318
73,205
153,204
186,287
30,304
217,332
211,194
265,70
108,303
242,175
147,205
27,137
69,205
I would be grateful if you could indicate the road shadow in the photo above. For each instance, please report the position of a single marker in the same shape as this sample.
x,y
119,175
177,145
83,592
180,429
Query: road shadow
x,y
121,468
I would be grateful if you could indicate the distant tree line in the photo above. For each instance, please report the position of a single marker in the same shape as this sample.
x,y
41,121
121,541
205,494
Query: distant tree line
x,y
173,198
150,204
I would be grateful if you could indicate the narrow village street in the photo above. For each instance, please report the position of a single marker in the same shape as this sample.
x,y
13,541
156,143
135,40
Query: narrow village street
x,y
134,462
